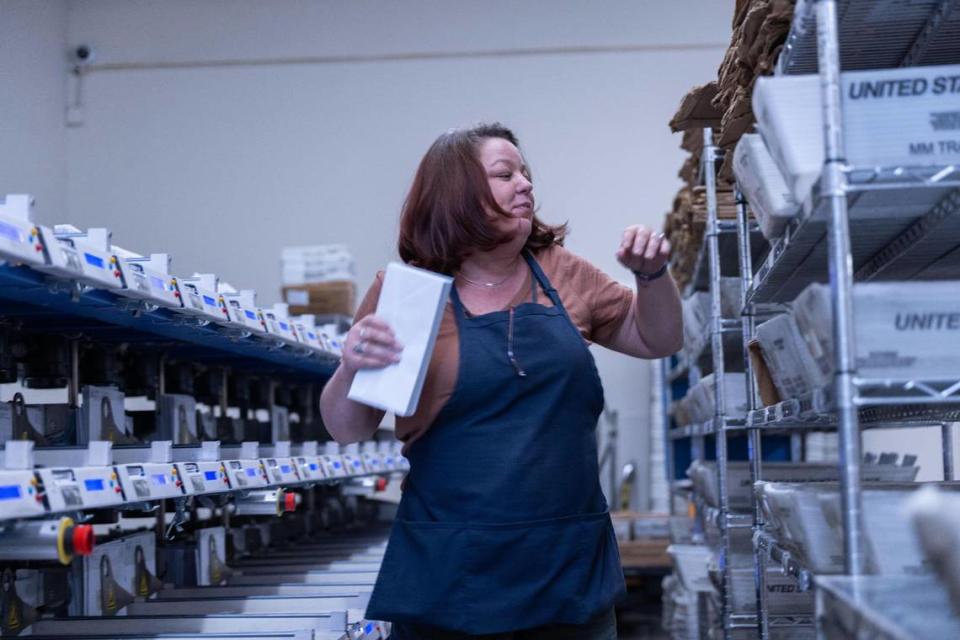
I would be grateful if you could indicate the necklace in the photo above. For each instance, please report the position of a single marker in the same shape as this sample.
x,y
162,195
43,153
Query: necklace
x,y
490,285
486,285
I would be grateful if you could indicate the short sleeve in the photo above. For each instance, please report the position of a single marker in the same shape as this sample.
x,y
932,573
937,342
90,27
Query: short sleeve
x,y
369,303
610,304
597,304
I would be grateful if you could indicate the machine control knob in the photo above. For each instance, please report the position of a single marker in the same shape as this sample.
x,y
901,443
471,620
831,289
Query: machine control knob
x,y
81,539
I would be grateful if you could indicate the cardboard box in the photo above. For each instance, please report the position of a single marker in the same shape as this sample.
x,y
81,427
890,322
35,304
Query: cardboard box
x,y
337,296
765,388
792,366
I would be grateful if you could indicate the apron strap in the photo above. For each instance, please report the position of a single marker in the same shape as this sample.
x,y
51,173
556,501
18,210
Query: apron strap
x,y
458,309
541,278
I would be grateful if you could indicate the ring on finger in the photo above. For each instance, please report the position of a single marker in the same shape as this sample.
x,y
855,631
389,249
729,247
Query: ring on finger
x,y
359,347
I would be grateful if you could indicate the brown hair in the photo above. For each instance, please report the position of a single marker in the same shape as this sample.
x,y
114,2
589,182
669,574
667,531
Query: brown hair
x,y
444,217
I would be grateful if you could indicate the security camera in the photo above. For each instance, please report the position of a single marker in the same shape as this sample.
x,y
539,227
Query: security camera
x,y
83,54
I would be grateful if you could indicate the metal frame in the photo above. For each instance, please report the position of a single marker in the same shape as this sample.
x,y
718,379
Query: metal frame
x,y
851,403
850,400
709,157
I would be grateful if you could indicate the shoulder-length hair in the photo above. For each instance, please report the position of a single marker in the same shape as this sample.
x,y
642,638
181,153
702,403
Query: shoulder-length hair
x,y
444,215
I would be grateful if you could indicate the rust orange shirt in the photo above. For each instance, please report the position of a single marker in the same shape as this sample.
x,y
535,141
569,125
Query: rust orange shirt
x,y
596,303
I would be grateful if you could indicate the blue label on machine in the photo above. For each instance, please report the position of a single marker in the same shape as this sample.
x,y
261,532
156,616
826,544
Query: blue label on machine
x,y
10,492
93,260
10,232
209,301
336,465
368,628
251,473
95,484
159,478
250,314
210,475
285,326
313,466
285,468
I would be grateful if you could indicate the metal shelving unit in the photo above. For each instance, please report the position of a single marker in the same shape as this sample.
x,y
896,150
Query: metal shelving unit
x,y
860,224
719,255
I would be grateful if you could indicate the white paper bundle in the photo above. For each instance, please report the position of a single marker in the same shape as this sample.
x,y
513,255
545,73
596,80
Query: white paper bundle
x,y
766,190
411,302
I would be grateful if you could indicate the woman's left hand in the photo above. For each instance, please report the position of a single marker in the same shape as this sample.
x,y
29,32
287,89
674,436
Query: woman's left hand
x,y
642,250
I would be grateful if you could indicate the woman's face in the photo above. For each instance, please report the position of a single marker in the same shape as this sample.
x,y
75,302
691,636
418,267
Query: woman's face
x,y
510,184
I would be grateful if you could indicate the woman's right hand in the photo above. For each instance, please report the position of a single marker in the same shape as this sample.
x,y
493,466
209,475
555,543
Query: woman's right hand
x,y
370,344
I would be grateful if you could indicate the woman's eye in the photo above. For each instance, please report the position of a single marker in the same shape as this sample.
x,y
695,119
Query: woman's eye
x,y
505,176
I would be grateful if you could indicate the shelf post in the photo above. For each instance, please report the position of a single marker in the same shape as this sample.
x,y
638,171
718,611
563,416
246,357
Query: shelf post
x,y
716,336
833,188
754,444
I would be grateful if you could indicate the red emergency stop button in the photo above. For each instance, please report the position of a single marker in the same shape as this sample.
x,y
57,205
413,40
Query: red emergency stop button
x,y
381,484
82,540
289,502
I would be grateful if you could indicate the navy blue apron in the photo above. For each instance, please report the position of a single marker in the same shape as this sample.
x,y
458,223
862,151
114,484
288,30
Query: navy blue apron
x,y
503,525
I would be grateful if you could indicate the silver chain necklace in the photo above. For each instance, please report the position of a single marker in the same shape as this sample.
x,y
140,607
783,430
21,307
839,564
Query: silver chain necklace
x,y
486,285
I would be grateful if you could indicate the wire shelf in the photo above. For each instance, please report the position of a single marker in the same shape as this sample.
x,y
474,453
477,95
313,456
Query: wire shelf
x,y
886,607
707,428
881,403
877,34
903,225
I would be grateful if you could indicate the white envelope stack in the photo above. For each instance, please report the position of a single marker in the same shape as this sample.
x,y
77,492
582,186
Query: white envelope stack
x,y
411,302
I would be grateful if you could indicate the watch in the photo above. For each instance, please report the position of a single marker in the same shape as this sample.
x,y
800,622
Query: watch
x,y
650,277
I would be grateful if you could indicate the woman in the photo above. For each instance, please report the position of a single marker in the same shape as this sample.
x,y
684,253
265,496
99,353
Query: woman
x,y
503,531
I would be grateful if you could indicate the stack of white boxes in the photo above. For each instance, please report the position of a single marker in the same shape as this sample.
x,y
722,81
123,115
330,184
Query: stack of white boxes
x,y
318,263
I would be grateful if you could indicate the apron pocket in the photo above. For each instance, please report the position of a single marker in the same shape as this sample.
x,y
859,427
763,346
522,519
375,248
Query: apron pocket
x,y
422,578
557,571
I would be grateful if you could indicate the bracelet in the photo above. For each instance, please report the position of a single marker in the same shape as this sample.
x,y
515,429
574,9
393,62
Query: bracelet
x,y
650,277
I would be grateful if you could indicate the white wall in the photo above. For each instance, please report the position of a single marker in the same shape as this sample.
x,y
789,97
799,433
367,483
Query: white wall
x,y
222,131
32,76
